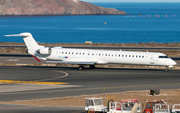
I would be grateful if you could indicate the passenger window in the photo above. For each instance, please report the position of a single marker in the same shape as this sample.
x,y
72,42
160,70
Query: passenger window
x,y
99,54
112,55
119,55
122,55
129,55
126,55
69,52
115,55
136,56
72,53
93,54
133,56
109,54
62,52
142,56
106,54
83,53
139,56
88,54
77,53
66,53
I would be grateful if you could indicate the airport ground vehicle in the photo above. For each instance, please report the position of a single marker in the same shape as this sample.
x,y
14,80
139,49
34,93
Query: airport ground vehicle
x,y
125,106
150,104
160,106
94,105
176,108
131,102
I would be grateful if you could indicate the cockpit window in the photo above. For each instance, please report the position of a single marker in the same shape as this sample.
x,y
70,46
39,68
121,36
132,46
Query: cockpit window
x,y
163,57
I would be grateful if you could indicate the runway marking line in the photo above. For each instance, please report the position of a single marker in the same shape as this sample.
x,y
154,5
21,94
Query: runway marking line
x,y
33,82
66,74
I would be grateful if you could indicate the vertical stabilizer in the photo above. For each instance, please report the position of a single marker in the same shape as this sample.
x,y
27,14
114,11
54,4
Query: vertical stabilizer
x,y
29,41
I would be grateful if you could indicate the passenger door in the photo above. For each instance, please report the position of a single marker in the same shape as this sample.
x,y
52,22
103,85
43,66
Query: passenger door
x,y
152,60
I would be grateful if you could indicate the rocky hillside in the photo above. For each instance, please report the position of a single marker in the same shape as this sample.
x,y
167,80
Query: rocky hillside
x,y
53,7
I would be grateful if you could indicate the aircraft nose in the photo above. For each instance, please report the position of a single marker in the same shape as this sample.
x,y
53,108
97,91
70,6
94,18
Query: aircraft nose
x,y
173,62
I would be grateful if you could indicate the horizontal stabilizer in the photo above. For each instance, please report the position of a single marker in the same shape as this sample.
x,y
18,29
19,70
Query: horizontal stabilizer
x,y
22,35
66,62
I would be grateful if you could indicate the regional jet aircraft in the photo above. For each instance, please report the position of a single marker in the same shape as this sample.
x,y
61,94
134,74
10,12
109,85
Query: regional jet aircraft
x,y
92,57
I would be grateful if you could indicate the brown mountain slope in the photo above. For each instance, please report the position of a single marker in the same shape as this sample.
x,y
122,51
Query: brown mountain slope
x,y
53,7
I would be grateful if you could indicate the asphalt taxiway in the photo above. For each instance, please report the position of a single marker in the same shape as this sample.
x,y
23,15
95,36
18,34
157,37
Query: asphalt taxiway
x,y
38,109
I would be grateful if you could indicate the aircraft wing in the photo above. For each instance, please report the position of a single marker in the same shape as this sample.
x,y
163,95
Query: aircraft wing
x,y
67,62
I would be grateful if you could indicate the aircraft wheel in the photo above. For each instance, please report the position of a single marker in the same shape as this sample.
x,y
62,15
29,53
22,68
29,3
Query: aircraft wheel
x,y
81,67
166,69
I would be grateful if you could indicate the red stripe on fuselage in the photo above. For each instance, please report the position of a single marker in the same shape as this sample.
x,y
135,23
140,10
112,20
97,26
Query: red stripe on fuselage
x,y
37,59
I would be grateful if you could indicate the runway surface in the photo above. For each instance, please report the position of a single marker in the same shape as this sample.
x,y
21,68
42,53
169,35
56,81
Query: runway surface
x,y
38,109
86,82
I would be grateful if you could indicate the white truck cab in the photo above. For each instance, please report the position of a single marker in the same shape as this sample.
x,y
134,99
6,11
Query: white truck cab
x,y
94,105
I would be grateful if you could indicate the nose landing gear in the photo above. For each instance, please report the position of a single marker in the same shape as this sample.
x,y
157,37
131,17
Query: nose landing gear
x,y
81,67
166,69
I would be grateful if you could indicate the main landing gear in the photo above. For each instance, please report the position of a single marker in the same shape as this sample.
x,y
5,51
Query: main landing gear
x,y
92,67
81,67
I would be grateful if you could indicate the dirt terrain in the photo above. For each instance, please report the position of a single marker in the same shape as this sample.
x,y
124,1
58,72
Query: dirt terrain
x,y
170,96
149,44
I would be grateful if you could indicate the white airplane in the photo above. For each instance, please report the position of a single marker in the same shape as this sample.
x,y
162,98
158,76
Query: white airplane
x,y
92,57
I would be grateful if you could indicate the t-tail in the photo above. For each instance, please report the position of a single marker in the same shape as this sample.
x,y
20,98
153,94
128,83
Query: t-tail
x,y
29,41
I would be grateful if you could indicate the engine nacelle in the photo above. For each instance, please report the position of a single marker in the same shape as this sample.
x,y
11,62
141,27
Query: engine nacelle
x,y
44,51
